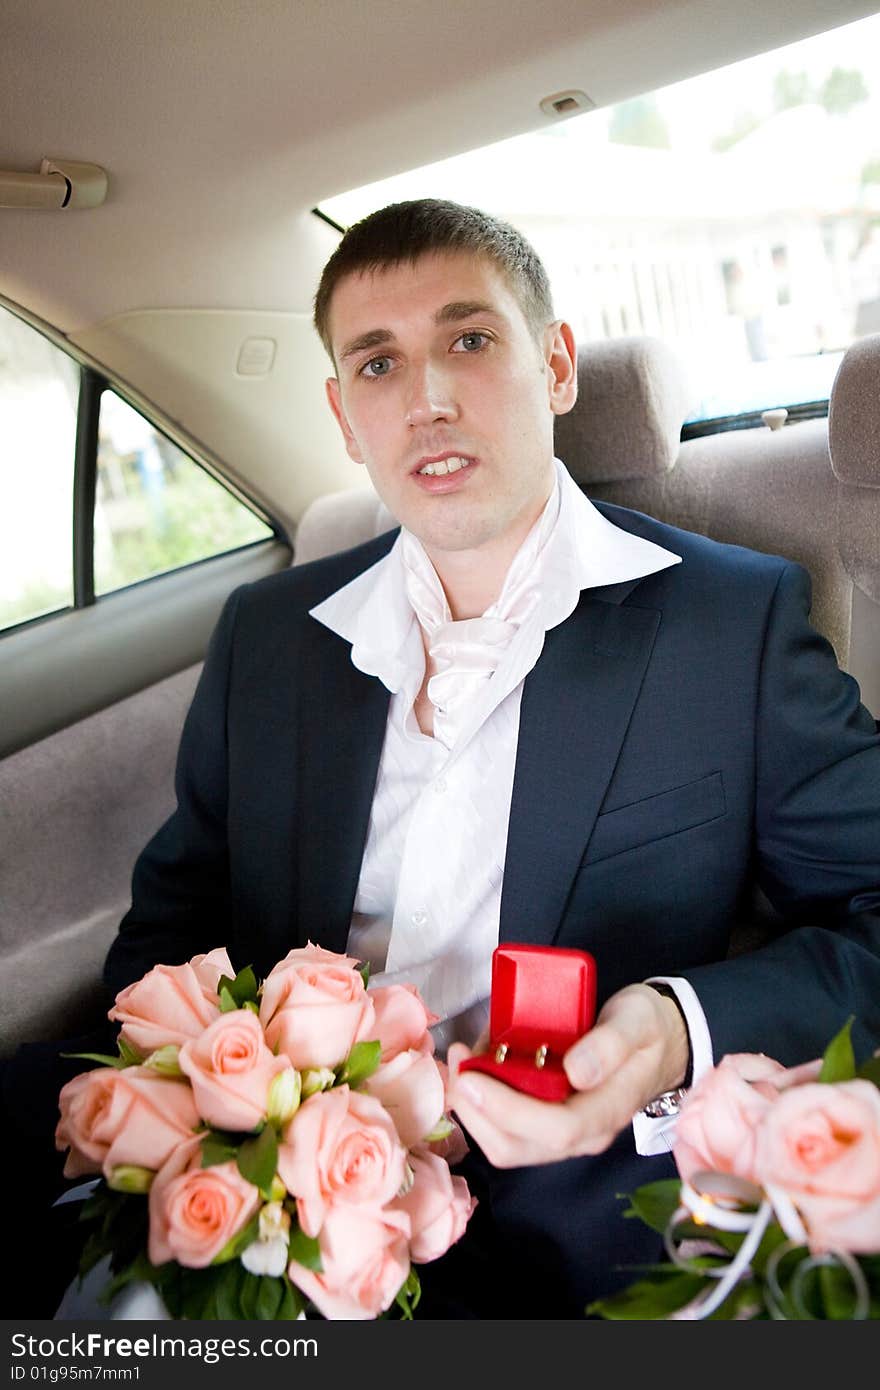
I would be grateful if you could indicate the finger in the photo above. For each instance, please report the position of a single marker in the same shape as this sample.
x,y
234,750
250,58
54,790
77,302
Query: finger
x,y
497,1115
628,1024
454,1057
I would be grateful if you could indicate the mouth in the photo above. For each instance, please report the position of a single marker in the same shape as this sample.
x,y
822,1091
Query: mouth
x,y
441,465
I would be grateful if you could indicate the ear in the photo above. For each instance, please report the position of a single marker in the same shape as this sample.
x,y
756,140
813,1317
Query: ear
x,y
334,398
560,356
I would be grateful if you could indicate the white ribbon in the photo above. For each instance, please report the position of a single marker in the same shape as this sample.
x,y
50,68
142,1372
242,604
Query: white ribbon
x,y
730,1203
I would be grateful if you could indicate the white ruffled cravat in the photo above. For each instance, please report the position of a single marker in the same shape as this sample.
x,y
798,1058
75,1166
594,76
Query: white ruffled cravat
x,y
466,652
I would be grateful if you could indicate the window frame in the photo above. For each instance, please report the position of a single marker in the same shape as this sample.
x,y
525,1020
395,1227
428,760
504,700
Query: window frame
x,y
94,380
63,666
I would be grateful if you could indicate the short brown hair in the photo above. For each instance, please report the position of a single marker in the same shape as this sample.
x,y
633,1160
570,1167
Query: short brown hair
x,y
407,231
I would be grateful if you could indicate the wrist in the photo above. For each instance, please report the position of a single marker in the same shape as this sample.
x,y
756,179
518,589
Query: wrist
x,y
682,1064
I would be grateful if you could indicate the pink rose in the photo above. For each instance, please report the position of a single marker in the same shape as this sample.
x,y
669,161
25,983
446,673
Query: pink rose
x,y
314,1008
716,1127
195,1211
402,1020
230,1070
113,1117
171,1003
411,1089
340,1146
365,1260
454,1147
438,1205
821,1144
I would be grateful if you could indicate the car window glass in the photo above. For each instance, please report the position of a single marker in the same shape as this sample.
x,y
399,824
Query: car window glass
x,y
39,385
156,508
735,214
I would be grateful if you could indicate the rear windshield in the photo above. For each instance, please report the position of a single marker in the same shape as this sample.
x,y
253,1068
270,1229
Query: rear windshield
x,y
736,215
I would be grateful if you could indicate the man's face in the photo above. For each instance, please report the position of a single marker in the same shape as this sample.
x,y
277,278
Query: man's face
x,y
438,370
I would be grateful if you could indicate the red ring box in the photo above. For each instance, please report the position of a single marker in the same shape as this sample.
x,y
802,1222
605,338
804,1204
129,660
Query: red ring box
x,y
543,1000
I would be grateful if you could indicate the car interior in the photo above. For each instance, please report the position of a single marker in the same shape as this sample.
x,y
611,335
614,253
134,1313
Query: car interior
x,y
165,175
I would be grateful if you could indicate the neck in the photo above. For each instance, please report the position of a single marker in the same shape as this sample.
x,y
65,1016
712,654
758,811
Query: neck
x,y
473,579
470,581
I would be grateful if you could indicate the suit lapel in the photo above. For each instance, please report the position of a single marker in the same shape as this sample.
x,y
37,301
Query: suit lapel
x,y
576,706
341,730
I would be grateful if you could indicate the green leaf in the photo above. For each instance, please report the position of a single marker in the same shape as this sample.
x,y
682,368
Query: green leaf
x,y
102,1057
655,1203
258,1158
227,1000
838,1061
218,1147
227,1292
364,971
292,1303
243,989
836,1293
773,1236
129,1055
650,1301
360,1063
269,1297
305,1250
745,1300
250,1288
408,1295
233,1248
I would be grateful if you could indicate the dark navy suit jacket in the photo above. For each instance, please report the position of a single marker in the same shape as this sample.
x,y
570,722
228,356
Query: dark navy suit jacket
x,y
683,739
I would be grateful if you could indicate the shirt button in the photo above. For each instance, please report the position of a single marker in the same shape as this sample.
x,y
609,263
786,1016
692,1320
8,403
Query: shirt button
x,y
440,784
419,918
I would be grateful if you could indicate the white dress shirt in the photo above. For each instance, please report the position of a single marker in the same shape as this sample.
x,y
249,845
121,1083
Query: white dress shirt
x,y
428,902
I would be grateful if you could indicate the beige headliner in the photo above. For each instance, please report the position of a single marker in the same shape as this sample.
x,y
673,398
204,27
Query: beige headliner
x,y
221,123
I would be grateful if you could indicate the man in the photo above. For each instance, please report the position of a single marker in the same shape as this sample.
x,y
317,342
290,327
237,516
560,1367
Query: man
x,y
523,718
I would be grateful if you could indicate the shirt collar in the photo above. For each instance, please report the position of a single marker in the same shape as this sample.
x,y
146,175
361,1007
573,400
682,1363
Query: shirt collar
x,y
584,550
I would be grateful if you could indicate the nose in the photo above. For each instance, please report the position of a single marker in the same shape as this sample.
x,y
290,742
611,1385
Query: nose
x,y
431,398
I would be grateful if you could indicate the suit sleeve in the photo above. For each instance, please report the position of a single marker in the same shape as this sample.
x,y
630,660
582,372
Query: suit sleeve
x,y
181,886
816,854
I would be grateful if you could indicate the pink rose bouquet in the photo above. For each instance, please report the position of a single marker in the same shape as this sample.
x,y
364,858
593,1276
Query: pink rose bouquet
x,y
776,1212
267,1149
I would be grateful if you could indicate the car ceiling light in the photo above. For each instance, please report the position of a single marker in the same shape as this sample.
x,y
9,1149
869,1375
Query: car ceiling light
x,y
570,103
61,183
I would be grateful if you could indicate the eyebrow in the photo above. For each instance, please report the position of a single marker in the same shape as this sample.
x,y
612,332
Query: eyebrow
x,y
454,312
463,309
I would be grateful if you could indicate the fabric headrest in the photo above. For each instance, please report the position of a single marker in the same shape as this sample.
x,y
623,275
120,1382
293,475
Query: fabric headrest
x,y
633,397
854,414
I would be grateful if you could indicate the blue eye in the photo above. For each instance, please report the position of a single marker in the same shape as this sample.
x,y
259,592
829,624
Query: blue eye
x,y
377,366
470,342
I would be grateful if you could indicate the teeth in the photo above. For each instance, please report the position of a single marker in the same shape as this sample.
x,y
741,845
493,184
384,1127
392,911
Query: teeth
x,y
443,466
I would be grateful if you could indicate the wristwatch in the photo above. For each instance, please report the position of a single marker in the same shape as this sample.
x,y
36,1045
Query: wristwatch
x,y
667,1104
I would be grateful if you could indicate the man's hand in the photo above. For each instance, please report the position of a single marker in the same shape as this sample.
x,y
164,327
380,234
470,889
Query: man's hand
x,y
637,1049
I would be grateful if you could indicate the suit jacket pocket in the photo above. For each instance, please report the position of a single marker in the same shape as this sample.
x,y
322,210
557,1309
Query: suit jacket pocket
x,y
655,817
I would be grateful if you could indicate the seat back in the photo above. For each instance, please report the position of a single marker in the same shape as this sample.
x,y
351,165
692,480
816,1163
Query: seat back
x,y
854,436
771,490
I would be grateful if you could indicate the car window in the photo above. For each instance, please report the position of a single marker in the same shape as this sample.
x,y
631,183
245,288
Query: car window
x,y
151,507
155,508
39,386
736,215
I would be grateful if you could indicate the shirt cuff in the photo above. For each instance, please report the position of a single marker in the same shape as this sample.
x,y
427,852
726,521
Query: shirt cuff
x,y
658,1136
